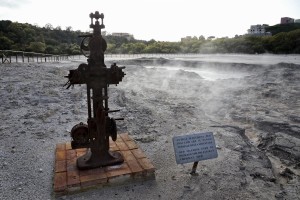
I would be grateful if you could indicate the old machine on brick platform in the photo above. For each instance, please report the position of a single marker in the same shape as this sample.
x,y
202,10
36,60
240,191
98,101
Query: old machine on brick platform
x,y
95,134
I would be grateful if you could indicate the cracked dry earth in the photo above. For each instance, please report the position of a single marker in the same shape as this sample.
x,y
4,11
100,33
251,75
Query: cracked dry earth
x,y
252,109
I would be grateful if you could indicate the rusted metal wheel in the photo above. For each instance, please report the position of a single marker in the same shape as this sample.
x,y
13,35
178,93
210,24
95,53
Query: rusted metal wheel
x,y
84,47
79,134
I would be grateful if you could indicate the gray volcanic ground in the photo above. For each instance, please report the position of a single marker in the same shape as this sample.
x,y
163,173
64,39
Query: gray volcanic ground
x,y
252,107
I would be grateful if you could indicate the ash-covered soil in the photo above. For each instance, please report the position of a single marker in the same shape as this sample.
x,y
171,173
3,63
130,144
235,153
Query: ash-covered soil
x,y
252,109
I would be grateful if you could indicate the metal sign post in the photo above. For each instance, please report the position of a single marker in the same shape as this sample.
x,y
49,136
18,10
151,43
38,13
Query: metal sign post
x,y
193,172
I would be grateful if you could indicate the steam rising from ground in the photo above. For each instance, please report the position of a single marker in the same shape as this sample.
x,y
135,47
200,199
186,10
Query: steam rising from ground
x,y
242,94
205,73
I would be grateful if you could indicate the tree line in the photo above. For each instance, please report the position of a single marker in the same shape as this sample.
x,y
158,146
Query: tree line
x,y
55,40
47,39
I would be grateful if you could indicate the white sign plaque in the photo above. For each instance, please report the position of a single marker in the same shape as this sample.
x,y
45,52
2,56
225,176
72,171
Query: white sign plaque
x,y
194,147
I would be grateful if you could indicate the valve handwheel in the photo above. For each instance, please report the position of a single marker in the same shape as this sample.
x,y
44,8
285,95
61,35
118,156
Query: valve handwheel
x,y
79,134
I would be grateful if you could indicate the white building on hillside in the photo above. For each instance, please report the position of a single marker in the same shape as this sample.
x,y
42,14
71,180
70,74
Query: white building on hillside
x,y
258,30
126,35
297,21
286,20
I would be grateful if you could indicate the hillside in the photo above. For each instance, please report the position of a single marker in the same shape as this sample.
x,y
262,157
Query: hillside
x,y
47,39
278,28
27,37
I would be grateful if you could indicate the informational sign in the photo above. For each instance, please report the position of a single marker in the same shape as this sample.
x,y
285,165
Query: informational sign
x,y
194,147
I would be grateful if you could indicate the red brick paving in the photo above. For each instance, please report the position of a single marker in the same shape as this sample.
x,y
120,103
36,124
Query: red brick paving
x,y
125,137
138,153
60,155
67,178
60,181
68,146
134,166
73,178
71,154
121,145
131,144
60,165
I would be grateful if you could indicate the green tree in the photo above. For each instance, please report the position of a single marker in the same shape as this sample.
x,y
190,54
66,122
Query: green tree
x,y
5,43
37,47
111,48
49,26
18,35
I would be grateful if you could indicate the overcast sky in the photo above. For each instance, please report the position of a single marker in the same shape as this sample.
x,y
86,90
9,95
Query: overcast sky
x,y
162,20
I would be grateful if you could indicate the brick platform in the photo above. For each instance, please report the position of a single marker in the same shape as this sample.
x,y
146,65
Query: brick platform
x,y
68,179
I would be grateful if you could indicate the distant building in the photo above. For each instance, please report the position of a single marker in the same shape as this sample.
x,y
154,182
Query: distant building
x,y
297,21
237,36
286,20
258,30
126,35
189,38
211,37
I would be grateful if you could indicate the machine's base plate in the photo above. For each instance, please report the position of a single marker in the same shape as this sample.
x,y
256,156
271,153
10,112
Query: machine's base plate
x,y
68,178
112,158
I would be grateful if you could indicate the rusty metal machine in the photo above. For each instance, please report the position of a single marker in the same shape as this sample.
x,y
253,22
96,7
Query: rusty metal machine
x,y
95,134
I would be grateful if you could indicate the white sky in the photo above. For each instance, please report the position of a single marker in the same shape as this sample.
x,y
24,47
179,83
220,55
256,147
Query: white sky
x,y
162,20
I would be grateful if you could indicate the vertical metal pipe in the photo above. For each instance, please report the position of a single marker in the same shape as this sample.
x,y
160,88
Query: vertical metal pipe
x,y
106,100
89,101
